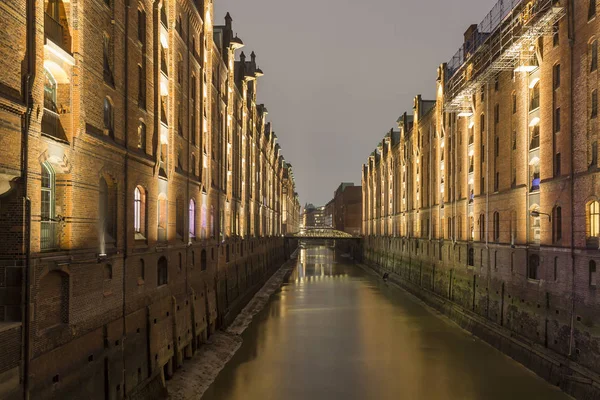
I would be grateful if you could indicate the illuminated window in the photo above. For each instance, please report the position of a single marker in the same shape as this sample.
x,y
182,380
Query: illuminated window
x,y
142,137
162,217
192,218
534,95
139,212
48,236
109,118
593,219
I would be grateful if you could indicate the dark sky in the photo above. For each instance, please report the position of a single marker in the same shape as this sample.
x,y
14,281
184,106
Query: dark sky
x,y
338,73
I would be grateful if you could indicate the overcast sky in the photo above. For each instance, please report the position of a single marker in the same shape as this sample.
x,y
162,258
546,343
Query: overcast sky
x,y
338,73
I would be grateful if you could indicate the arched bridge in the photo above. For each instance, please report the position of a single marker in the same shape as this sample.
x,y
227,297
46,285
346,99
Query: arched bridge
x,y
321,233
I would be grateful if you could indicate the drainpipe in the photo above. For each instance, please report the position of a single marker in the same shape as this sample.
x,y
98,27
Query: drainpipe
x,y
571,23
125,177
28,97
487,193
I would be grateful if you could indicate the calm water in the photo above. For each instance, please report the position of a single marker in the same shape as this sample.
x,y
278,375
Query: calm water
x,y
336,332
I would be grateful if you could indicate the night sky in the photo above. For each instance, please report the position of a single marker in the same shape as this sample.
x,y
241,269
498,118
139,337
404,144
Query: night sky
x,y
338,73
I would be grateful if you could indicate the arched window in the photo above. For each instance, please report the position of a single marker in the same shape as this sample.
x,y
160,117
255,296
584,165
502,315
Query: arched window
x,y
52,304
107,211
471,257
534,95
593,219
592,268
139,212
162,272
162,217
108,272
192,218
48,234
533,266
108,118
203,260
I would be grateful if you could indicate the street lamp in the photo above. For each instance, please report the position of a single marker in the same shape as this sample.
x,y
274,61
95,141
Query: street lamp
x,y
536,214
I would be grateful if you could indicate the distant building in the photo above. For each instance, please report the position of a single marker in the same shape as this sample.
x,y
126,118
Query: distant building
x,y
314,216
344,211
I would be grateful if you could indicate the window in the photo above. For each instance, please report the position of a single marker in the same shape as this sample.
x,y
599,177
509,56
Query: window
x,y
162,272
108,118
591,9
556,76
533,266
482,227
497,114
592,267
203,260
107,211
107,59
142,269
162,217
179,218
593,218
514,103
50,87
555,269
557,224
556,36
142,137
192,218
141,87
594,56
471,257
534,95
142,26
139,212
496,226
594,113
557,166
48,234
557,120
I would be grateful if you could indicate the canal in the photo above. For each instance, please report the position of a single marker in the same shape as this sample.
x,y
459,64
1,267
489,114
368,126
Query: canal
x,y
337,332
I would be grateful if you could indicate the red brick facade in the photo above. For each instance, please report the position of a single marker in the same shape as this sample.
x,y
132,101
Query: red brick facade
x,y
141,192
487,195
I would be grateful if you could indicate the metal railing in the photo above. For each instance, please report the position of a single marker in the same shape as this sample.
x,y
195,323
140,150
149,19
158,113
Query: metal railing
x,y
52,126
55,31
49,235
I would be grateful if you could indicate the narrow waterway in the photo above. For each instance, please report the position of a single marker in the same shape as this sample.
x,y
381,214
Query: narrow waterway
x,y
337,332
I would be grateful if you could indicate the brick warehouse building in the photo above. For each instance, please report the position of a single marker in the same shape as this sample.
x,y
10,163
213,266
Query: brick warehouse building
x,y
485,200
141,192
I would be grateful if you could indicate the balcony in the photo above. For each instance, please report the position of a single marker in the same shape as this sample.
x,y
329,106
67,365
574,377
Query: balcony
x,y
49,236
51,125
56,33
535,142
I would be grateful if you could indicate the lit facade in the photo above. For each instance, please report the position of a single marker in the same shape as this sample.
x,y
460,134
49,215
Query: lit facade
x,y
144,186
487,195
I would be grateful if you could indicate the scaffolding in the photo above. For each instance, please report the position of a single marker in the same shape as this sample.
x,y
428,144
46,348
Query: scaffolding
x,y
506,40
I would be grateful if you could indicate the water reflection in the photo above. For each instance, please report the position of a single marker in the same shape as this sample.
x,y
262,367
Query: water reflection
x,y
335,332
